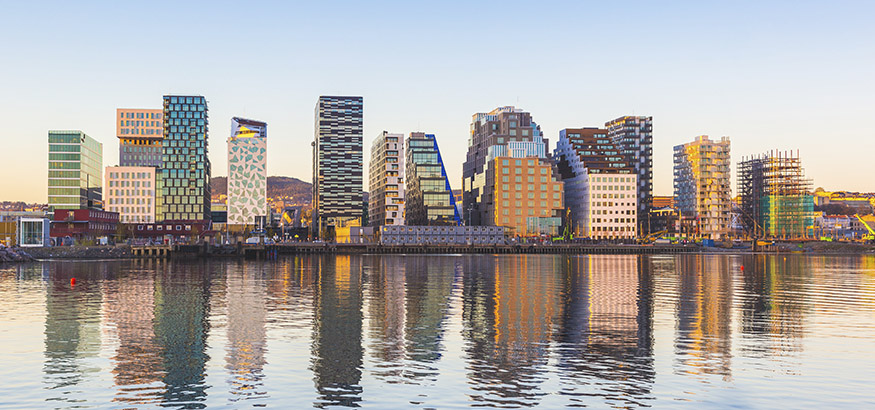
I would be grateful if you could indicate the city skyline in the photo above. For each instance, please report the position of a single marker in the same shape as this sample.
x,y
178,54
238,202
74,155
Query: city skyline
x,y
767,75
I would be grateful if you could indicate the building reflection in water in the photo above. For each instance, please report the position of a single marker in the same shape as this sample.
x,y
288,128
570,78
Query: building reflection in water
x,y
408,305
429,287
337,331
772,312
605,332
247,338
182,301
72,328
130,310
703,343
386,306
510,306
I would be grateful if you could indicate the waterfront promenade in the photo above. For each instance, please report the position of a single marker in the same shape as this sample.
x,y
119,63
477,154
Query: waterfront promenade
x,y
310,248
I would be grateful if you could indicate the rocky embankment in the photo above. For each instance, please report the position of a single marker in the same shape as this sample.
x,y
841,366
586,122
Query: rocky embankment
x,y
13,255
82,252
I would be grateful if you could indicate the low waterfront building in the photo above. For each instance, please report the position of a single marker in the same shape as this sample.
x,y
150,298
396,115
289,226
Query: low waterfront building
x,y
448,235
170,232
34,232
84,224
10,225
130,191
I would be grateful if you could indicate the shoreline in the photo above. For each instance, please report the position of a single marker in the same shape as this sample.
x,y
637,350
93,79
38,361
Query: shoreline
x,y
122,252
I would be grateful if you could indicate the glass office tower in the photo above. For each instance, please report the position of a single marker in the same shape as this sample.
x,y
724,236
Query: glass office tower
x,y
75,168
184,182
429,199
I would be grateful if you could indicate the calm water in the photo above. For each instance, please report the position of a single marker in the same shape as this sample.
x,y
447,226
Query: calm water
x,y
423,332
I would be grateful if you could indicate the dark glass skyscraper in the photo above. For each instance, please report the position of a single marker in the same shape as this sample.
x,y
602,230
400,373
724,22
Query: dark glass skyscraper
x,y
337,163
430,200
184,181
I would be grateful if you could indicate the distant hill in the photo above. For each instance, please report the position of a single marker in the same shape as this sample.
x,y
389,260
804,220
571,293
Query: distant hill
x,y
289,191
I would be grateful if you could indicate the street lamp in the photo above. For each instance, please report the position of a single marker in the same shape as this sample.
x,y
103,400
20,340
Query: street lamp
x,y
470,211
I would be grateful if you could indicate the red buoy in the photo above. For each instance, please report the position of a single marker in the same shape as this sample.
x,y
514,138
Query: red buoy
x,y
72,281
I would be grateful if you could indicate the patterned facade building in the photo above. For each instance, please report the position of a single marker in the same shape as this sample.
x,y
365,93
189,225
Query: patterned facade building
x,y
600,184
386,180
184,179
247,171
634,137
139,133
701,185
130,191
75,171
337,163
429,198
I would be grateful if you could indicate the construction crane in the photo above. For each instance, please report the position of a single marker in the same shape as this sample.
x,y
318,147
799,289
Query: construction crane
x,y
871,235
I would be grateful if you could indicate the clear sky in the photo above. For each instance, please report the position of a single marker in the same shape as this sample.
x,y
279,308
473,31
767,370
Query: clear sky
x,y
771,75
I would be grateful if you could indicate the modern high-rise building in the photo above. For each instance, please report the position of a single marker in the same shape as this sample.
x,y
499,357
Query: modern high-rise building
x,y
247,171
337,163
634,136
600,184
776,198
75,169
139,133
130,191
701,185
184,178
429,198
508,134
386,180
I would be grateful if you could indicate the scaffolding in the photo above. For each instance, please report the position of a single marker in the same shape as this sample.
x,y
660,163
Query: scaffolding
x,y
776,197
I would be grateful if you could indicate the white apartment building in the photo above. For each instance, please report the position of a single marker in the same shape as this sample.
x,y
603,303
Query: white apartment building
x,y
130,191
386,180
610,206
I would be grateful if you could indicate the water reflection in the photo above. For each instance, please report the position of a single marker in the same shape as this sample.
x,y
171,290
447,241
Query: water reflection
x,y
510,307
605,338
130,312
441,331
182,296
337,331
704,334
247,337
72,331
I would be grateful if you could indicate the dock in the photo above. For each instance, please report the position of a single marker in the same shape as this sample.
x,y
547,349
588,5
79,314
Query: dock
x,y
308,248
